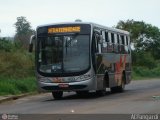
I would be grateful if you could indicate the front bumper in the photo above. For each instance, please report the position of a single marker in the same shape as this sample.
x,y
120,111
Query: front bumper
x,y
71,86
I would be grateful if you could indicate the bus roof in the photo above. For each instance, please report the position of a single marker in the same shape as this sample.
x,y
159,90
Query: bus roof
x,y
92,24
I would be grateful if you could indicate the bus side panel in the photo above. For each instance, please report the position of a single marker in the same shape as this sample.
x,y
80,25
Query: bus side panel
x,y
100,81
128,70
114,65
104,64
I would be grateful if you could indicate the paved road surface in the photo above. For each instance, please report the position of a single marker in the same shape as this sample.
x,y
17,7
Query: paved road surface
x,y
138,98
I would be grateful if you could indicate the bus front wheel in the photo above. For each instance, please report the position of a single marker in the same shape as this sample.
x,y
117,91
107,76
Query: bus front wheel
x,y
57,94
101,92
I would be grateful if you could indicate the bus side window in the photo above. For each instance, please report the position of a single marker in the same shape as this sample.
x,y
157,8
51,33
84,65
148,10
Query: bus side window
x,y
115,38
127,40
98,42
126,44
118,43
113,41
118,39
109,44
109,37
112,38
103,36
94,42
122,38
122,44
129,46
105,39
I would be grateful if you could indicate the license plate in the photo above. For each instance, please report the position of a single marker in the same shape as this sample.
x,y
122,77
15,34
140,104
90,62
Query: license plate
x,y
63,85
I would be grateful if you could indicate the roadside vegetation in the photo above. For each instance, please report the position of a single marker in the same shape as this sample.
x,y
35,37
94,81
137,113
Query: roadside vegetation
x,y
16,69
17,65
145,40
140,73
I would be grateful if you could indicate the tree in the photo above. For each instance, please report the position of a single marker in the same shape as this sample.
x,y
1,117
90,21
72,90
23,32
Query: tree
x,y
144,36
23,31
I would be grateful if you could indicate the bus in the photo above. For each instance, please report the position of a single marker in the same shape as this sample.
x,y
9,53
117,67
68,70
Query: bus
x,y
82,57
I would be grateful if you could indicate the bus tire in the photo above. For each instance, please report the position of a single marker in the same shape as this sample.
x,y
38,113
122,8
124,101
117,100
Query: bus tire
x,y
101,92
57,94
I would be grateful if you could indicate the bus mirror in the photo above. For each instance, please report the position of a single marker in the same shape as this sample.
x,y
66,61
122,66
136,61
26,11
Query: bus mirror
x,y
32,38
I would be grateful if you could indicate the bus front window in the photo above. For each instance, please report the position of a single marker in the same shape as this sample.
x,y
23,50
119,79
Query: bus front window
x,y
63,54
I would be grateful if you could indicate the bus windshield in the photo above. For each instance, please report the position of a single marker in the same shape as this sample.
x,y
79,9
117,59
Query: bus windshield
x,y
63,53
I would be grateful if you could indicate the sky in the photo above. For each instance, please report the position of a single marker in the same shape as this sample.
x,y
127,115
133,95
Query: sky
x,y
104,12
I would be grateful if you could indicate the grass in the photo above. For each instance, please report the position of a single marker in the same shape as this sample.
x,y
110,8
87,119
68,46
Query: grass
x,y
17,86
140,73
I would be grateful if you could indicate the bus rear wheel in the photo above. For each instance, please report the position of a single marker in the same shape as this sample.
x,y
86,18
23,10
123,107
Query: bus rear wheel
x,y
57,94
119,88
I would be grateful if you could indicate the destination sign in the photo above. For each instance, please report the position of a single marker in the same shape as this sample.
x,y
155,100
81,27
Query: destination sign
x,y
64,29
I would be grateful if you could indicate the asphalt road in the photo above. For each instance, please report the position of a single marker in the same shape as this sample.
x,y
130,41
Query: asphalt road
x,y
139,97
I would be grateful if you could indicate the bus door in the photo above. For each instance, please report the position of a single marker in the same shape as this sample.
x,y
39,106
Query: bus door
x,y
99,65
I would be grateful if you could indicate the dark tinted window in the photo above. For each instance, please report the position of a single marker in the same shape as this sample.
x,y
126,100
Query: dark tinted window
x,y
106,37
126,40
118,39
122,38
112,37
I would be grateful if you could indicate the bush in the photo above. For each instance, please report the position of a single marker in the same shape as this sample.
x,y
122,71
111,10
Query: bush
x,y
16,64
144,59
6,45
139,72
